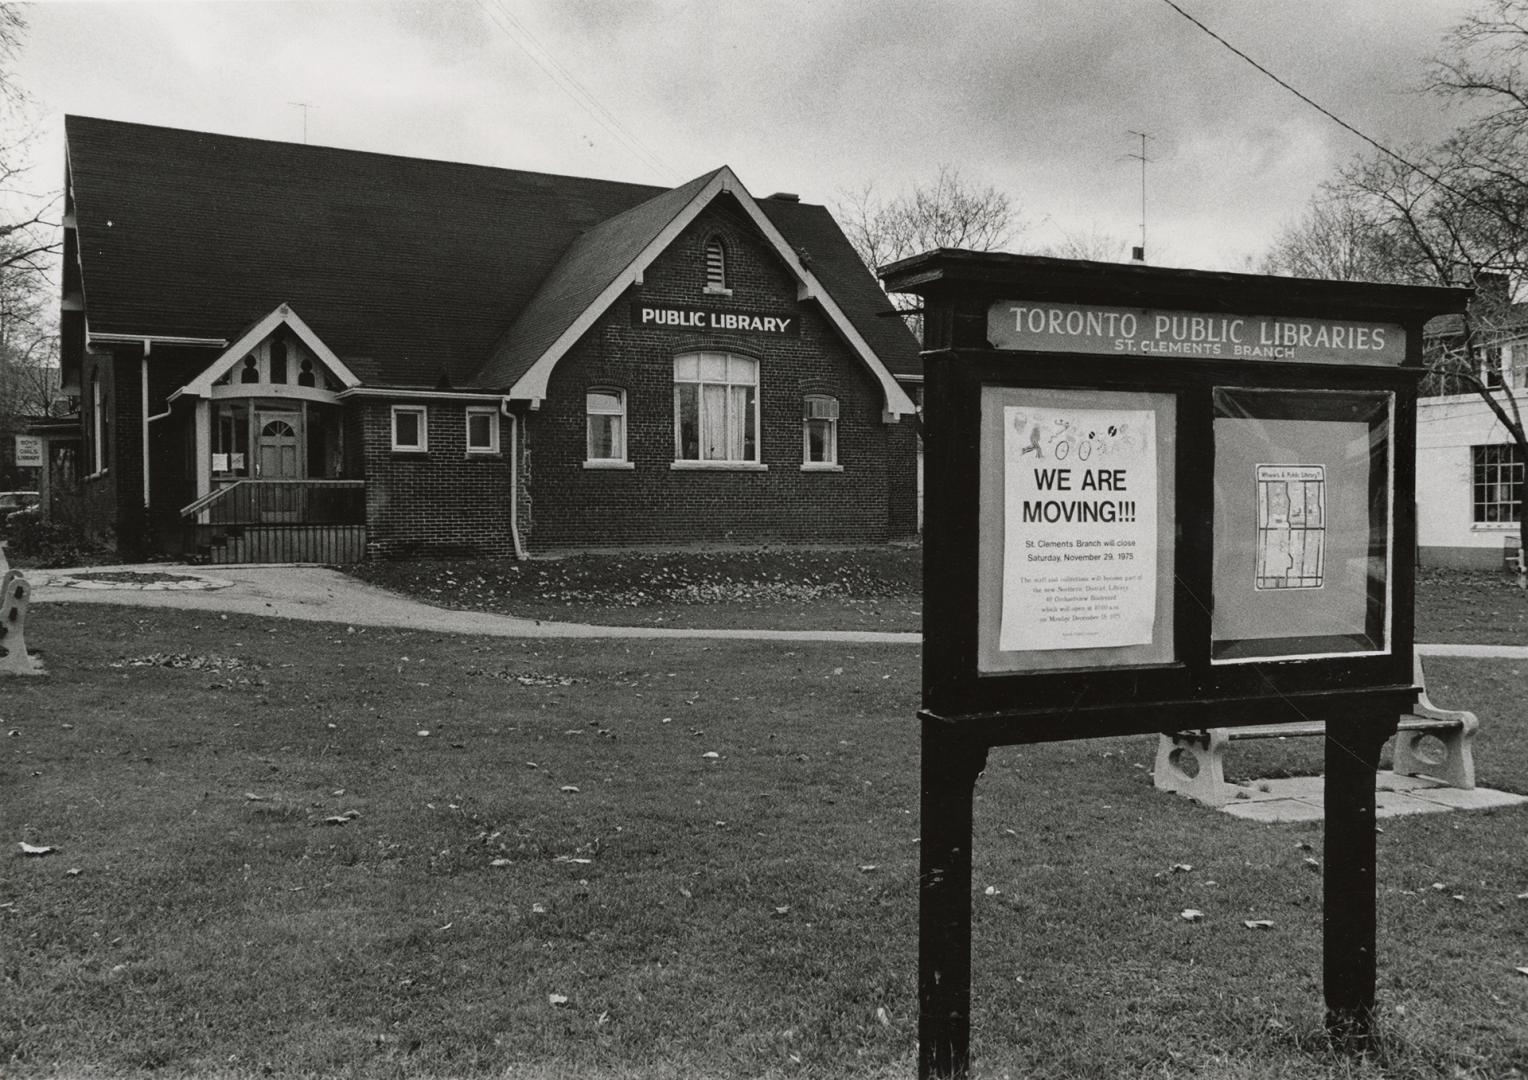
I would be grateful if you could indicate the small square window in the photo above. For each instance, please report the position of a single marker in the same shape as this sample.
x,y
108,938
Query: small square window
x,y
410,429
482,431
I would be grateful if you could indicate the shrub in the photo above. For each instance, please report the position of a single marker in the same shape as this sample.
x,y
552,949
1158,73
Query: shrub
x,y
44,543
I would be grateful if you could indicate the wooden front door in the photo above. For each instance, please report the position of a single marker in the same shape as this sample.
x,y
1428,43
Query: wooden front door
x,y
279,456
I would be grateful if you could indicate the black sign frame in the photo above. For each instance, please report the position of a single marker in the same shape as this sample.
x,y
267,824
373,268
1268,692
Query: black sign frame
x,y
1094,702
1358,696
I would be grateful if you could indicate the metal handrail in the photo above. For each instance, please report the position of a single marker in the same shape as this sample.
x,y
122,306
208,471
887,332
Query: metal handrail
x,y
222,493
208,499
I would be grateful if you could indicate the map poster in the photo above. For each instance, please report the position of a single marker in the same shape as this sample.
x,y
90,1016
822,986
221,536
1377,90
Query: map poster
x,y
1080,528
1291,527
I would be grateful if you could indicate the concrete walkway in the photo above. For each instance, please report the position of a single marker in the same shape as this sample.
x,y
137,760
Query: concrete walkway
x,y
319,594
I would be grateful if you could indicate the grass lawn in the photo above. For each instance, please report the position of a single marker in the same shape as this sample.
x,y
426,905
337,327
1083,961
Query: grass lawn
x,y
1463,607
285,849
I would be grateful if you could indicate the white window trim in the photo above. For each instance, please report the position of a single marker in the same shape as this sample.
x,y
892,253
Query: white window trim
x,y
424,429
492,412
832,464
1503,525
97,451
755,463
691,465
622,460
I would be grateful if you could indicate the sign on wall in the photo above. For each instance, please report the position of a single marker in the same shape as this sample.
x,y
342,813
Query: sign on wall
x,y
29,452
1145,332
708,320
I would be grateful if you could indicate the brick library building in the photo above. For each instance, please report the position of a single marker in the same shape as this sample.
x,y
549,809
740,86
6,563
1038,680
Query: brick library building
x,y
294,353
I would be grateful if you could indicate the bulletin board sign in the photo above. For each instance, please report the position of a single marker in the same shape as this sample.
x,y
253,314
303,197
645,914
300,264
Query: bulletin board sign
x,y
1156,501
1077,543
1302,524
1162,499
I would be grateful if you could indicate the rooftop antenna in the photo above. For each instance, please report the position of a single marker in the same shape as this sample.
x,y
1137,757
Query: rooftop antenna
x,y
304,106
1139,254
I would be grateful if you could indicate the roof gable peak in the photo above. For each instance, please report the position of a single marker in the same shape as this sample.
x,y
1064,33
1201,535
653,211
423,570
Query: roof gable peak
x,y
281,316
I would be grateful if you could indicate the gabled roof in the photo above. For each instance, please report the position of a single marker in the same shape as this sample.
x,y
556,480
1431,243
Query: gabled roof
x,y
587,269
409,270
612,256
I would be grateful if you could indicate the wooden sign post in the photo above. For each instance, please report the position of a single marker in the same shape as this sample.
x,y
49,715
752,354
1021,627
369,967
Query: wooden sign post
x,y
1160,500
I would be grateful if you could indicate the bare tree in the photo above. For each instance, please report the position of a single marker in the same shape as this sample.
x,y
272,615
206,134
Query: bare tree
x,y
948,212
1091,243
28,238
29,242
1335,238
1455,214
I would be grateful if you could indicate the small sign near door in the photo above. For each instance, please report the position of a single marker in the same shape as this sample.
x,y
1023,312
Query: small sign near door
x,y
29,453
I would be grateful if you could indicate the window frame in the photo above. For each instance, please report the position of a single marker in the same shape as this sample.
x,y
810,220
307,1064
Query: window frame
x,y
490,411
423,412
830,462
728,384
1488,477
98,426
621,458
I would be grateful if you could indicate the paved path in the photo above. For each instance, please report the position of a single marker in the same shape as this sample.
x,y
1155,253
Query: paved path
x,y
319,594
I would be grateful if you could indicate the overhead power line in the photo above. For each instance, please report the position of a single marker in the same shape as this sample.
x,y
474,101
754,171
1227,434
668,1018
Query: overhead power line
x,y
1438,180
568,83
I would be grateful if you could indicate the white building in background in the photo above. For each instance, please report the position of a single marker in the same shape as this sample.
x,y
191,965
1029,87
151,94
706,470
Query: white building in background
x,y
1468,471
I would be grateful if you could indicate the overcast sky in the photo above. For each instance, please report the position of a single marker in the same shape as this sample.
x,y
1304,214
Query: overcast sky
x,y
1034,97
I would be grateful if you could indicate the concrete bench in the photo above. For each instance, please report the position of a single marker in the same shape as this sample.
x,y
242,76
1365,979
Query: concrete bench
x,y
15,598
1192,763
1512,561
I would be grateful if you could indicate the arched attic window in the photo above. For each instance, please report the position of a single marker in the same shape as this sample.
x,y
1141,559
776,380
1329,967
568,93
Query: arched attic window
x,y
716,266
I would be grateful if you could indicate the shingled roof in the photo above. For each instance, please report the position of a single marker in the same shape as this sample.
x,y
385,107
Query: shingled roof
x,y
409,269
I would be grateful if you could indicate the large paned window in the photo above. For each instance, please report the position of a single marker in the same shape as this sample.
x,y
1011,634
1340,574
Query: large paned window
x,y
605,409
716,408
1496,476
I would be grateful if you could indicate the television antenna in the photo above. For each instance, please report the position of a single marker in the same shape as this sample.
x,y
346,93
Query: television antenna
x,y
304,106
1140,252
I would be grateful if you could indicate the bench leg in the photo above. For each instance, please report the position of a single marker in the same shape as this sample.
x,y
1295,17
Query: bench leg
x,y
1455,766
15,596
1193,765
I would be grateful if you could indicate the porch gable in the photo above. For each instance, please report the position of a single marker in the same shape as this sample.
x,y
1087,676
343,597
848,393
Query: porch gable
x,y
206,385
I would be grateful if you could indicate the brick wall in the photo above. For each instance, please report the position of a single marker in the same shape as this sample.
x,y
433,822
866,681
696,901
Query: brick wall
x,y
443,502
653,503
